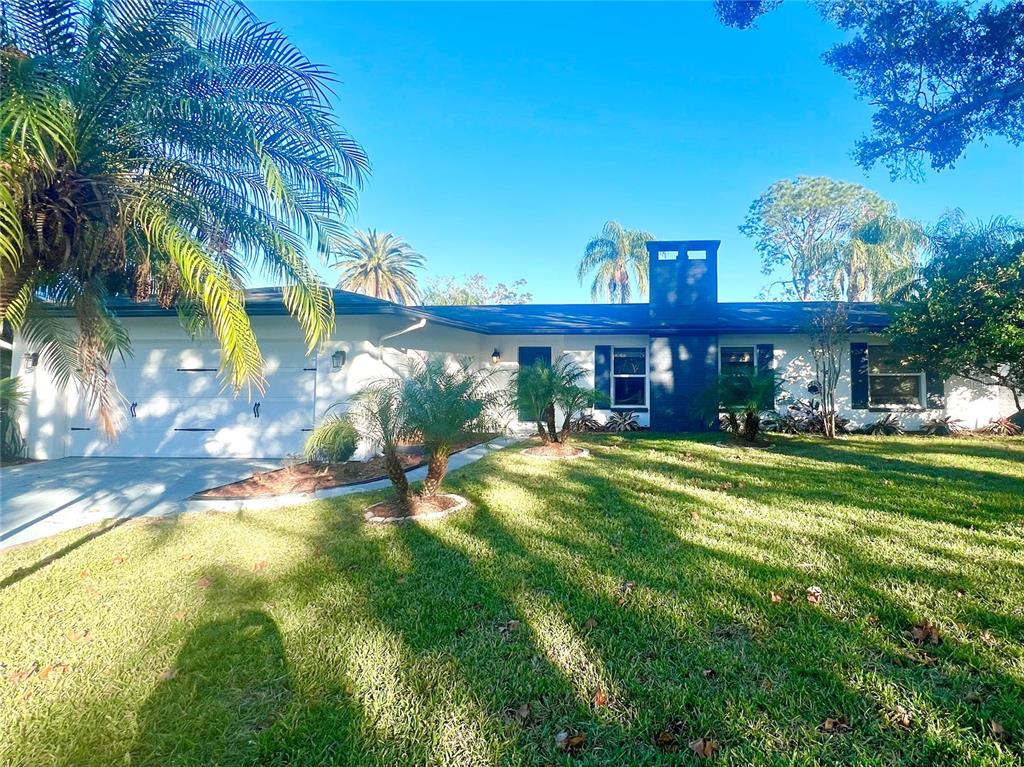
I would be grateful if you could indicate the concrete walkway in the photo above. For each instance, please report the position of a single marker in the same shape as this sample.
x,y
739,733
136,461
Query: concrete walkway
x,y
47,497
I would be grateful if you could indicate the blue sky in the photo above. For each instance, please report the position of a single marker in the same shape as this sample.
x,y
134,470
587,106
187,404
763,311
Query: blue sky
x,y
503,136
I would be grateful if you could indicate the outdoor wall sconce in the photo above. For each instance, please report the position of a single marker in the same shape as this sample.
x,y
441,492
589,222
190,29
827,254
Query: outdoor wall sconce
x,y
31,360
338,360
495,356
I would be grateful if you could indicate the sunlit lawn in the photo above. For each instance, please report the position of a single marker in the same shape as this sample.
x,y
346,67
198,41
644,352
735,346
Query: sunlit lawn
x,y
305,637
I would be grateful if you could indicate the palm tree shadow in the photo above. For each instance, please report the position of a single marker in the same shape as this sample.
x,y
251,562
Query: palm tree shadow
x,y
229,684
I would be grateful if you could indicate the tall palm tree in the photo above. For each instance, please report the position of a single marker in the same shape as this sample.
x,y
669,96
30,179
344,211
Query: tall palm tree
x,y
878,257
160,149
379,265
613,255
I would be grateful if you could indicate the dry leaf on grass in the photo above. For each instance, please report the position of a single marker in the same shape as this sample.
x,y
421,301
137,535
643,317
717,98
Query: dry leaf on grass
x,y
900,717
79,635
119,560
54,670
180,615
570,744
599,698
205,582
667,738
522,713
261,565
704,747
167,674
84,573
590,624
776,597
997,731
18,677
507,629
814,594
710,673
836,724
925,632
974,697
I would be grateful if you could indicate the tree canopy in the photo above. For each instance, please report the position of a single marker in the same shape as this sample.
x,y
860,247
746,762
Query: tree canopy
x,y
474,290
966,314
161,149
378,264
821,238
939,75
619,261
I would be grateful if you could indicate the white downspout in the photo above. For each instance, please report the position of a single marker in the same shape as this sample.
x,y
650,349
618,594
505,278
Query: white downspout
x,y
418,325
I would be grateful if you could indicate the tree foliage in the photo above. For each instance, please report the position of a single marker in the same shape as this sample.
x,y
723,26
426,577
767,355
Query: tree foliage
x,y
379,265
474,290
740,399
620,263
966,317
829,340
160,149
541,388
821,238
938,74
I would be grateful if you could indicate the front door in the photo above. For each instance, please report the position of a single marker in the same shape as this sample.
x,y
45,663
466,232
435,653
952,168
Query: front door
x,y
528,355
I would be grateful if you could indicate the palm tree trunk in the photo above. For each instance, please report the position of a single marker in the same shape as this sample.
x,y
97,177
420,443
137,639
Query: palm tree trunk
x,y
436,469
566,423
549,414
396,473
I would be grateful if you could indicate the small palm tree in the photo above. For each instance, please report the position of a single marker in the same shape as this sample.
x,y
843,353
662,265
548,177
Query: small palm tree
x,y
160,148
613,255
540,388
379,265
444,401
739,400
378,413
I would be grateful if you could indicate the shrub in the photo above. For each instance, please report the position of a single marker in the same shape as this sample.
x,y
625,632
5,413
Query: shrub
x,y
623,421
1001,427
887,426
738,401
585,422
780,423
334,440
11,398
539,388
946,426
809,418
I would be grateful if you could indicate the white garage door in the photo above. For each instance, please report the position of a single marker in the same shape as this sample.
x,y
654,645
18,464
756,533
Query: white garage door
x,y
177,406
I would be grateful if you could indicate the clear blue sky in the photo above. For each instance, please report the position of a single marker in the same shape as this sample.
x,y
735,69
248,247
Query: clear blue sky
x,y
503,136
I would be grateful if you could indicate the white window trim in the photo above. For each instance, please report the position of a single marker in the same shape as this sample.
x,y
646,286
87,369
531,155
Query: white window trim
x,y
646,376
922,386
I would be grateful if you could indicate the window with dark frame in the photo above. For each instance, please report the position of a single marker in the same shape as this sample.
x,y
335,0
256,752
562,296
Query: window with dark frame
x,y
892,383
737,360
629,376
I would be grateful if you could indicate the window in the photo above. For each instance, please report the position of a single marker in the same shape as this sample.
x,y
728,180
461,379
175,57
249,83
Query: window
x,y
893,383
629,377
697,255
737,360
668,255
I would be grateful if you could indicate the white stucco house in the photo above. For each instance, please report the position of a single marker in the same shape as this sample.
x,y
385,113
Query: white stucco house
x,y
652,358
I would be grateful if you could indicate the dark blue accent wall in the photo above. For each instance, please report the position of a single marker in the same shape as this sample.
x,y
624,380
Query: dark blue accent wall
x,y
679,283
682,368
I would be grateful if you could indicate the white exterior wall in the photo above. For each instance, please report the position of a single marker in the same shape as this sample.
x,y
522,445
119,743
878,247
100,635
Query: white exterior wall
x,y
973,404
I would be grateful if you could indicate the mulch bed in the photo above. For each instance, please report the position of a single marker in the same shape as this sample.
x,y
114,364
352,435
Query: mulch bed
x,y
420,509
309,477
557,451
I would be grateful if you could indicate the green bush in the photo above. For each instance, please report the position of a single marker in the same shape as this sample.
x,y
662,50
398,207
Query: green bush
x,y
334,440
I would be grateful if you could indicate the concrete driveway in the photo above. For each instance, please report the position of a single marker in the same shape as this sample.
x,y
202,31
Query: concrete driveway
x,y
47,497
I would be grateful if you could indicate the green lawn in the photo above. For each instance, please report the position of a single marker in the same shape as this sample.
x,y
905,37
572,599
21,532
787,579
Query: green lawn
x,y
305,637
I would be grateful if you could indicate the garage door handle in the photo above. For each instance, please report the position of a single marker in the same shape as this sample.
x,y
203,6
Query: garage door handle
x,y
132,409
256,410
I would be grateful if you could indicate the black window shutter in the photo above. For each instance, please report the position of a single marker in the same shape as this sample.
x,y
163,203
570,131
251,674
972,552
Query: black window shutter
x,y
935,388
859,376
765,364
603,374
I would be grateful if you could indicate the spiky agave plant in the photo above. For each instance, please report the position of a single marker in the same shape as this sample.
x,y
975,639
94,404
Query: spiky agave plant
x,y
160,149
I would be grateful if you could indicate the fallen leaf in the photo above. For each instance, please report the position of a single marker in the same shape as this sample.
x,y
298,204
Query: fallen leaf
x,y
205,582
54,670
523,713
776,598
507,629
261,565
179,615
710,673
20,676
599,698
590,624
186,557
570,743
901,717
704,747
814,594
925,632
974,697
694,516
616,548
84,573
667,739
167,674
119,560
79,635
836,724
997,730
